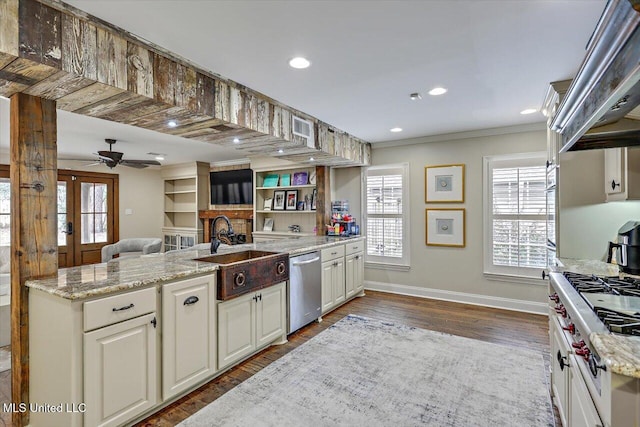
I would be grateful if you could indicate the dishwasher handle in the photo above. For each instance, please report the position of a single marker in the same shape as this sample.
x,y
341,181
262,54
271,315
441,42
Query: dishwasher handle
x,y
309,261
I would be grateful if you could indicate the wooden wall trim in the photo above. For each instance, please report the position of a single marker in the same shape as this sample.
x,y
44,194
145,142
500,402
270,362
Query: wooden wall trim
x,y
34,243
97,69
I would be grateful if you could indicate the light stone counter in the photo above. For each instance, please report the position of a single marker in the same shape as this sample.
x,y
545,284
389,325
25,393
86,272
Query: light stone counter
x,y
621,354
587,266
76,283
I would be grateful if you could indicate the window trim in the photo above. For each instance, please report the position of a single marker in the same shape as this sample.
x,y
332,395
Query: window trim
x,y
491,271
388,263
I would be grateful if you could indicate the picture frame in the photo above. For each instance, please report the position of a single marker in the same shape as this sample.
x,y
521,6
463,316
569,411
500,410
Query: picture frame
x,y
291,200
444,184
285,180
300,205
445,227
300,178
278,200
268,203
314,197
268,224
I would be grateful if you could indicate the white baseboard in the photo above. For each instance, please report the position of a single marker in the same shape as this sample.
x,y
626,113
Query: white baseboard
x,y
461,297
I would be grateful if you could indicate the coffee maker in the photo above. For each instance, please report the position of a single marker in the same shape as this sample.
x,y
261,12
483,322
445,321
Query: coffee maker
x,y
628,248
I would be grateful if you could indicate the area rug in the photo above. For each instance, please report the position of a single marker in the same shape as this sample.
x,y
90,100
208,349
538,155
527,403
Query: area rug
x,y
5,358
365,372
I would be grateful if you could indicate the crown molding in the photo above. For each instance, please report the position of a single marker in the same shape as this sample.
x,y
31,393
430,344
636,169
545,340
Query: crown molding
x,y
530,127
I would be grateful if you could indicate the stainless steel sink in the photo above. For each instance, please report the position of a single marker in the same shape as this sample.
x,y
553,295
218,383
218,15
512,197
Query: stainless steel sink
x,y
246,271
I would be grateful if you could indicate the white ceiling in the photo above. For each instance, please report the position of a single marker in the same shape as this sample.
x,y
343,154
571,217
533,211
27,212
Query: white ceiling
x,y
496,57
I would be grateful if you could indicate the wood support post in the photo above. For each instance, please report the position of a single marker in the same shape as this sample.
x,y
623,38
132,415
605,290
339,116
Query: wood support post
x,y
323,205
34,245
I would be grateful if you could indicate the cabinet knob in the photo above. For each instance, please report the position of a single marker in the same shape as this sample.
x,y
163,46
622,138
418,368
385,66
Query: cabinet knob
x,y
614,184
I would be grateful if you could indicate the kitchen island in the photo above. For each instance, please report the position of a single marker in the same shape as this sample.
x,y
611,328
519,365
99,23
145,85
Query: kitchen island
x,y
116,341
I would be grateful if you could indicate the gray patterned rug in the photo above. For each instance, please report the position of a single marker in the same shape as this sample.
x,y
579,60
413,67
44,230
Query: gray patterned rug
x,y
365,372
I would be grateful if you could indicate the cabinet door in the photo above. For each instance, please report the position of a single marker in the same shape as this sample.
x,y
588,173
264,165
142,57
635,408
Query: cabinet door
x,y
187,241
350,275
270,314
120,371
170,242
559,370
327,286
359,272
614,173
339,295
188,333
583,412
236,329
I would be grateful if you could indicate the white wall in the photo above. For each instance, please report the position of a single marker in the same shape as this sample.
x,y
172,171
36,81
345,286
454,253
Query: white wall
x,y
587,222
457,273
140,190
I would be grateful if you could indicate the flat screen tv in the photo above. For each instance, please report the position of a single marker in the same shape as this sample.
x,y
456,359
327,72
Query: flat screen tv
x,y
234,187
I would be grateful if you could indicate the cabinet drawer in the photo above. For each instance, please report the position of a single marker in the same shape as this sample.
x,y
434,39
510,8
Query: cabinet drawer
x,y
332,253
117,308
352,248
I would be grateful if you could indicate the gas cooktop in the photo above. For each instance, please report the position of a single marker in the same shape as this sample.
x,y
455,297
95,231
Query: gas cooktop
x,y
616,301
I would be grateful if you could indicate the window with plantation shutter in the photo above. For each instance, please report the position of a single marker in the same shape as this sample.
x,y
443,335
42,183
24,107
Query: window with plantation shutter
x,y
515,215
386,224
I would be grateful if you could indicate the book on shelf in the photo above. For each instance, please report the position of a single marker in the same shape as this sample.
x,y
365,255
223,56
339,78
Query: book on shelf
x,y
300,178
285,180
270,180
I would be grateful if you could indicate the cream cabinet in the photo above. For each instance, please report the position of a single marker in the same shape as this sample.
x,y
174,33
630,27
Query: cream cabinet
x,y
120,377
354,274
188,333
559,368
333,277
621,173
582,410
250,322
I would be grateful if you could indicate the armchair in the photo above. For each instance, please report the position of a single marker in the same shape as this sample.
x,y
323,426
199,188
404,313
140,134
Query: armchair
x,y
137,245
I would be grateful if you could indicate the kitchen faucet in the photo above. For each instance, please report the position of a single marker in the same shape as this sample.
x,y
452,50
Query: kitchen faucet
x,y
215,241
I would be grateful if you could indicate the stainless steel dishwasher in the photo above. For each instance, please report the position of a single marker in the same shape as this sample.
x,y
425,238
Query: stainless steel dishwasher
x,y
304,295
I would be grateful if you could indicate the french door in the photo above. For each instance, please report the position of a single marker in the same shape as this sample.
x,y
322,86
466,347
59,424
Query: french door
x,y
87,216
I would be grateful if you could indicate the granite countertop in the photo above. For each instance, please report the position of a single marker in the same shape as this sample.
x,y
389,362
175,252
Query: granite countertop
x,y
587,266
77,283
621,354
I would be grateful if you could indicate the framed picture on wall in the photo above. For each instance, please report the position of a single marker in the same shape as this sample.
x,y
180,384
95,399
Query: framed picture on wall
x,y
444,184
445,227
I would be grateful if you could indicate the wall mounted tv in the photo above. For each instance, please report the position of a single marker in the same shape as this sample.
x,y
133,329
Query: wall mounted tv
x,y
234,187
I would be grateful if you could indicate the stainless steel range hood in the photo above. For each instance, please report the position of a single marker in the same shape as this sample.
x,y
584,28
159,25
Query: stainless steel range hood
x,y
601,108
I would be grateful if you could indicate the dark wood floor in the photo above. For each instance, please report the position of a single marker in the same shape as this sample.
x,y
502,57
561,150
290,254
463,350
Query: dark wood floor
x,y
486,324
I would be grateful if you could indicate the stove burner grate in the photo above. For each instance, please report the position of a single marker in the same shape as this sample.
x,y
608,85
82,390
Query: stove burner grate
x,y
618,322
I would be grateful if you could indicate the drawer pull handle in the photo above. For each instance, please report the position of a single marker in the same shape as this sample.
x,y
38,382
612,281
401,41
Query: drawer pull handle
x,y
355,247
191,300
334,253
126,307
280,268
239,280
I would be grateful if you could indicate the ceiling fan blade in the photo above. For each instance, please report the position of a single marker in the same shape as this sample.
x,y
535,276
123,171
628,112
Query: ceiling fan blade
x,y
140,162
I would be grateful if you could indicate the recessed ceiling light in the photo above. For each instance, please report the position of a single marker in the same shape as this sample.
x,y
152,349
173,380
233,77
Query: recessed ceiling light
x,y
415,96
236,140
529,111
159,158
172,124
396,129
311,159
437,91
299,62
281,151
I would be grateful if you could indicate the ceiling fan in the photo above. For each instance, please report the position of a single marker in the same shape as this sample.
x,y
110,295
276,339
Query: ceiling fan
x,y
113,158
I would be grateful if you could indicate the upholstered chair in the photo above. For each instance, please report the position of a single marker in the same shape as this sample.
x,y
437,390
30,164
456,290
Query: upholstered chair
x,y
137,246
